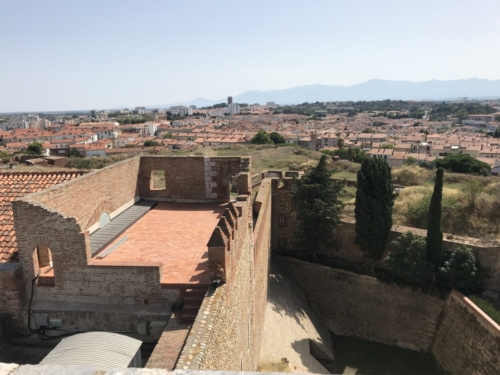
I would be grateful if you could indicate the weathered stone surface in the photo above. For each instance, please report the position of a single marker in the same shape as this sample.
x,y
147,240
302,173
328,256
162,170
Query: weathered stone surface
x,y
467,341
362,306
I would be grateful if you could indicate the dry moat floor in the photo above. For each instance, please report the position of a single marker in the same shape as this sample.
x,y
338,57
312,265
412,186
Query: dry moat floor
x,y
355,356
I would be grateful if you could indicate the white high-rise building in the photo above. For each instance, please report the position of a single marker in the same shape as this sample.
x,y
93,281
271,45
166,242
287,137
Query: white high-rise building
x,y
185,111
233,108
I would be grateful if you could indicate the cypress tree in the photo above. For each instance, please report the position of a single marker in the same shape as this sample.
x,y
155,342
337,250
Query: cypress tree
x,y
373,207
434,233
316,198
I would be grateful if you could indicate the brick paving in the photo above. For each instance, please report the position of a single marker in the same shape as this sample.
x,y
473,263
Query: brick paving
x,y
175,234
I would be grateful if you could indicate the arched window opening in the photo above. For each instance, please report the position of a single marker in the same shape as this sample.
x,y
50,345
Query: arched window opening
x,y
104,220
43,265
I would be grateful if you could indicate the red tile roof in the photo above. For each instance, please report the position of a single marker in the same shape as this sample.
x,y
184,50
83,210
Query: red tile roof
x,y
15,185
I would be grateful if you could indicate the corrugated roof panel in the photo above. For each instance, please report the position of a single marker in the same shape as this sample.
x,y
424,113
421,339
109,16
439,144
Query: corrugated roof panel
x,y
102,350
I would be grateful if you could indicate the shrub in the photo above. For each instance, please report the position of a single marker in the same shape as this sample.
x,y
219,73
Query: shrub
x,y
408,261
151,143
418,211
460,271
410,175
261,138
462,163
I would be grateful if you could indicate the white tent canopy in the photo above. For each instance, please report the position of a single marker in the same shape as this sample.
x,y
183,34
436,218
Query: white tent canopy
x,y
102,350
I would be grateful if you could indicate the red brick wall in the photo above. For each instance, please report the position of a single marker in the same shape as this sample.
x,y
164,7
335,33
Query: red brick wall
x,y
228,328
87,197
74,280
194,178
262,251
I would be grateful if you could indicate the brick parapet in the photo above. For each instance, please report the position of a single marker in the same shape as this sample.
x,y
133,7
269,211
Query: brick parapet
x,y
87,196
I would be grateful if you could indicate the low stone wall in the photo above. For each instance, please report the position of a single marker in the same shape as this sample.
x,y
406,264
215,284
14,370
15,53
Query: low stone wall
x,y
362,306
467,341
488,252
169,345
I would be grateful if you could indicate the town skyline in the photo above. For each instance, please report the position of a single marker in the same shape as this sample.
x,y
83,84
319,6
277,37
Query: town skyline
x,y
93,55
371,90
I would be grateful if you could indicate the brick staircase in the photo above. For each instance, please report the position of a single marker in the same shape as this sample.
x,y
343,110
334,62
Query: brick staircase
x,y
193,297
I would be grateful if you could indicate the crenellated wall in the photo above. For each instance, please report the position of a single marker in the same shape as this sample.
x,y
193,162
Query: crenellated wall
x,y
227,332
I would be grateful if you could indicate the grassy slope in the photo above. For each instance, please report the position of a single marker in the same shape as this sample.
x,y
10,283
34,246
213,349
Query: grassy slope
x,y
479,221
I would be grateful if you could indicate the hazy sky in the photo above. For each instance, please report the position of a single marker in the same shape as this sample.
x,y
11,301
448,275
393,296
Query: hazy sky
x,y
62,55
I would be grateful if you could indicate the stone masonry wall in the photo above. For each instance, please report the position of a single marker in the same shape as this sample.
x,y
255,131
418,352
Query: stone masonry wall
x,y
467,341
487,252
362,306
284,224
87,197
262,250
227,333
192,179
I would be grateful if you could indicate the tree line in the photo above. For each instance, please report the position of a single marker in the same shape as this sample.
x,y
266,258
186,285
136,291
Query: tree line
x,y
415,261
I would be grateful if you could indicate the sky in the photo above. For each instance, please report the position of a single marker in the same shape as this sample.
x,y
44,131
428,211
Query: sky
x,y
103,54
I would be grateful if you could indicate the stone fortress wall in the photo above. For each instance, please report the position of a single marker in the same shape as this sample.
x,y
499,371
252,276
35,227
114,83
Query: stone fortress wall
x,y
284,223
227,332
460,336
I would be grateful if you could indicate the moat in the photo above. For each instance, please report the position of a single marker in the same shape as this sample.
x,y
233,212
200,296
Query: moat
x,y
354,356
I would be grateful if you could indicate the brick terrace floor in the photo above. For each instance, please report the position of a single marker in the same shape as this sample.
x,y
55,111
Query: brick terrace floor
x,y
175,234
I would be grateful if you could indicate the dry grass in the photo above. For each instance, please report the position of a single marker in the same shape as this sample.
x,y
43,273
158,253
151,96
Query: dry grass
x,y
411,175
282,366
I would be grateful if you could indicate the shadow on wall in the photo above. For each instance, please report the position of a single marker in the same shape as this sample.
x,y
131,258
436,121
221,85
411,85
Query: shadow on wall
x,y
358,356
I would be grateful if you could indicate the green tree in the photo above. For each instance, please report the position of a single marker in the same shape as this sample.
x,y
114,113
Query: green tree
x,y
387,145
277,138
434,232
497,118
75,153
35,148
373,207
496,134
408,261
461,114
461,271
340,144
367,130
410,160
462,163
150,143
261,138
316,198
168,135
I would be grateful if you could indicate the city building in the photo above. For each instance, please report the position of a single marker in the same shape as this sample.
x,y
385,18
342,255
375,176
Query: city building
x,y
233,108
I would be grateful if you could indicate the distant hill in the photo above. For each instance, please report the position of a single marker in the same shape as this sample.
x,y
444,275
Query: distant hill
x,y
375,89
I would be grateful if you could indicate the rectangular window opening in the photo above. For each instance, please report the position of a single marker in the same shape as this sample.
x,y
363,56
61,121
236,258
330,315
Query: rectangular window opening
x,y
158,180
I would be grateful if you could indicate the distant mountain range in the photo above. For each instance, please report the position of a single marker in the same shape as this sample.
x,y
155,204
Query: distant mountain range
x,y
375,89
